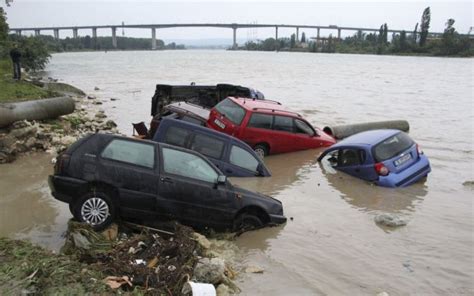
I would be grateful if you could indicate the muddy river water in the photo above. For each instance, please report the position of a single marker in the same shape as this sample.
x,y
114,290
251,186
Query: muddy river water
x,y
332,245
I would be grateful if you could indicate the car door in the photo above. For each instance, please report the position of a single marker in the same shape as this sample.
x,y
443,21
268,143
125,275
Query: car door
x,y
189,183
258,130
131,167
242,163
305,135
284,137
211,147
351,161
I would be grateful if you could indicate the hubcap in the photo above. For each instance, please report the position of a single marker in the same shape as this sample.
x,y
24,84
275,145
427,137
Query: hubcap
x,y
95,211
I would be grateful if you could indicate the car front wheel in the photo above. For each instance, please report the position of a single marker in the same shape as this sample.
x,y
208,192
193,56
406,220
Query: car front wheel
x,y
245,222
95,209
261,150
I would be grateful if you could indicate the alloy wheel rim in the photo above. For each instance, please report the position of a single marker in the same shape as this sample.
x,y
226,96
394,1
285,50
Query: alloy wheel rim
x,y
95,211
260,152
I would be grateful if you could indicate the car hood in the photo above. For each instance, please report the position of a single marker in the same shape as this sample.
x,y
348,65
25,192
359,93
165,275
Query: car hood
x,y
253,194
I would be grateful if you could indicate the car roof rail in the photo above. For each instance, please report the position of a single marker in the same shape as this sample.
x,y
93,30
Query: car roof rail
x,y
282,111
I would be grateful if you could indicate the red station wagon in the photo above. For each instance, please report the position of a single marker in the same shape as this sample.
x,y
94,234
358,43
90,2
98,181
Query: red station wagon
x,y
266,126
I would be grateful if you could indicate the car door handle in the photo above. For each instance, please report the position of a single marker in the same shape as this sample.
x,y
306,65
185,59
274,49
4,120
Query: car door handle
x,y
166,180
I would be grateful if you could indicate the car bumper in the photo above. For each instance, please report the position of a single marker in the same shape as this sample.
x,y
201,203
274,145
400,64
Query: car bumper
x,y
408,176
277,219
65,188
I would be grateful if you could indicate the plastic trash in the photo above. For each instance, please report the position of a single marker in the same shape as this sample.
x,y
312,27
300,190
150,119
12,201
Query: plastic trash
x,y
198,289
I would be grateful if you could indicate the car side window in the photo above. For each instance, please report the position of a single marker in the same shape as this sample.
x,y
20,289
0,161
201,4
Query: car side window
x,y
283,123
259,120
242,158
208,146
137,153
349,157
302,127
176,136
185,164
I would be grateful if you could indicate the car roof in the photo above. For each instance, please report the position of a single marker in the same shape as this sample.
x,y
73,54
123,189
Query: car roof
x,y
202,129
367,138
263,106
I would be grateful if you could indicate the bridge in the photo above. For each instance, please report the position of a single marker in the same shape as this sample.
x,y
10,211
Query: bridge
x,y
233,26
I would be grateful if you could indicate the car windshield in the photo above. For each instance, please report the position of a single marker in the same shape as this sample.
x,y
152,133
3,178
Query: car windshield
x,y
231,111
392,146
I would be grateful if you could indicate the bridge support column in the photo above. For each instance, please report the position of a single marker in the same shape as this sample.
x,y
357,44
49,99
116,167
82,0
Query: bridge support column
x,y
297,35
318,35
75,33
114,37
153,38
37,32
234,40
18,32
94,33
56,33
339,34
277,44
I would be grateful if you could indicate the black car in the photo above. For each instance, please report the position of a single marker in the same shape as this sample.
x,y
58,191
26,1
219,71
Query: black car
x,y
105,176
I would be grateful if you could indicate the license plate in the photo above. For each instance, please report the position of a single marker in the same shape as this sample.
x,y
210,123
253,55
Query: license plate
x,y
219,123
403,159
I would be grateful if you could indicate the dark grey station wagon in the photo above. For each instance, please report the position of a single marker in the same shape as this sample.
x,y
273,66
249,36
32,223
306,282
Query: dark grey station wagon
x,y
104,176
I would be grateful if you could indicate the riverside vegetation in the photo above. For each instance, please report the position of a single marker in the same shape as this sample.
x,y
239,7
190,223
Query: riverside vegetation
x,y
417,42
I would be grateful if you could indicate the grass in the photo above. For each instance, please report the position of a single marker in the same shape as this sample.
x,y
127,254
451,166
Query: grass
x,y
15,91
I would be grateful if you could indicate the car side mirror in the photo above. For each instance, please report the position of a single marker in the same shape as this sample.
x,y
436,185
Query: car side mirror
x,y
221,179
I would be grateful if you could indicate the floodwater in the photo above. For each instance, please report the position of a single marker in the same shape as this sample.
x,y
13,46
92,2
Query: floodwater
x,y
332,245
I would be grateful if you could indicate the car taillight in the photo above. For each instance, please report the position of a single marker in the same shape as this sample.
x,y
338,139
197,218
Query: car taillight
x,y
381,169
62,163
418,149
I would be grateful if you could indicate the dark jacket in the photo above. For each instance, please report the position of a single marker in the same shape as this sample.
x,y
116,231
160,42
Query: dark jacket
x,y
15,54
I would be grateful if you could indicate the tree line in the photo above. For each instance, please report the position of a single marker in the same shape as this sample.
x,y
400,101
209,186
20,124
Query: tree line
x,y
418,41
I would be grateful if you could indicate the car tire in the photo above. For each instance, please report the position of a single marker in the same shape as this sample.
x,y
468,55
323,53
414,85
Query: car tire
x,y
245,222
261,150
96,209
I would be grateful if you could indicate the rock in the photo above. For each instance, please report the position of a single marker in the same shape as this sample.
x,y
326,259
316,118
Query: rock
x,y
30,142
80,241
202,240
4,158
55,140
96,88
390,220
210,271
24,132
100,115
20,124
468,184
91,97
110,124
254,269
113,99
6,140
97,103
222,290
67,140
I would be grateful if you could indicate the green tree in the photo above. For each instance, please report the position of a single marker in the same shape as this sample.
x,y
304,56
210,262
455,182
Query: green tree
x,y
34,51
303,38
385,34
425,25
403,41
3,25
415,33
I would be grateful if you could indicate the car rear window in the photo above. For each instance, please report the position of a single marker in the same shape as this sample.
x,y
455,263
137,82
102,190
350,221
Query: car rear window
x,y
141,154
176,136
392,146
231,111
208,146
261,121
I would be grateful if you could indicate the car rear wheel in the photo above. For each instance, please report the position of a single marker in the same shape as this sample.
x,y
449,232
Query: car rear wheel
x,y
96,209
245,222
261,150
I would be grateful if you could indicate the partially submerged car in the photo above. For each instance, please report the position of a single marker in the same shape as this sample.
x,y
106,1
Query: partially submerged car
x,y
232,156
267,126
182,111
204,95
388,158
103,177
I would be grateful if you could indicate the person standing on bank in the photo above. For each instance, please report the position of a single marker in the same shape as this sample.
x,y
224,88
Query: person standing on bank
x,y
15,54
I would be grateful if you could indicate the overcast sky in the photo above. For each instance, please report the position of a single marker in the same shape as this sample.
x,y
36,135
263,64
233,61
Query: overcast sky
x,y
398,15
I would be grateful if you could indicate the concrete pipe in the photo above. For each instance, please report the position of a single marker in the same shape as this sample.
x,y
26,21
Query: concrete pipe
x,y
35,110
344,131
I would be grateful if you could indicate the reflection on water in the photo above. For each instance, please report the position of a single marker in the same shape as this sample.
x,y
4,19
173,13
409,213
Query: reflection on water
x,y
369,197
285,168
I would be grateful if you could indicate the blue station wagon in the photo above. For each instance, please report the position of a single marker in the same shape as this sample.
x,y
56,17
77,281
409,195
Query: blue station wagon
x,y
389,158
232,156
